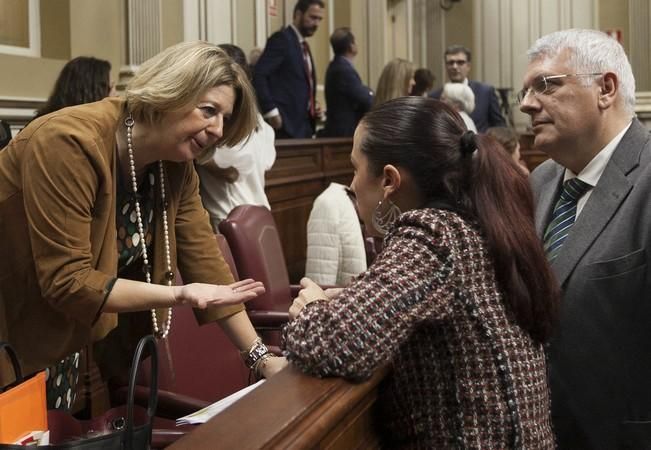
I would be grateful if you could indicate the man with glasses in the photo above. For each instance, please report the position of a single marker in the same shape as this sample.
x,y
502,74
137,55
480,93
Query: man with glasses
x,y
593,212
487,109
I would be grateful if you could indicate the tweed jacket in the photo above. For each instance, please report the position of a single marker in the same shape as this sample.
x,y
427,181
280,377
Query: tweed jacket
x,y
58,254
463,373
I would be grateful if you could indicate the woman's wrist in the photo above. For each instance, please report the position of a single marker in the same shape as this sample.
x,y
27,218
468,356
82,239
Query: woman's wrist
x,y
255,354
175,295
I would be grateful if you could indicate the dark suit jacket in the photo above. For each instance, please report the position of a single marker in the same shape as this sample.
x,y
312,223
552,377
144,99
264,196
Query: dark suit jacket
x,y
600,356
281,81
487,109
347,98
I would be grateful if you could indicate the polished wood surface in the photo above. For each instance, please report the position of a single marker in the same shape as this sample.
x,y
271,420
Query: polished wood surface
x,y
303,169
293,410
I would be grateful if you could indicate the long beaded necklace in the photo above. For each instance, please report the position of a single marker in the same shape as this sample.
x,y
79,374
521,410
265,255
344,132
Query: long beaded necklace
x,y
169,275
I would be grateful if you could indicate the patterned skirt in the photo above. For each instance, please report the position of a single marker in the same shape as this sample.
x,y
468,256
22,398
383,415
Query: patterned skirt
x,y
61,383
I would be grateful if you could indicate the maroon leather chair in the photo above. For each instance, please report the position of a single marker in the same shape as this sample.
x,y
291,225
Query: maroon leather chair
x,y
253,239
206,367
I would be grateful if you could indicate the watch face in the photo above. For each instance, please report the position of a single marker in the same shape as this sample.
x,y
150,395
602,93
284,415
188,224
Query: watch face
x,y
256,353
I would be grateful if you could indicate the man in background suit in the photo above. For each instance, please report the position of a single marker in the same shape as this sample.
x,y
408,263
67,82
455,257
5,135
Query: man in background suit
x,y
580,93
347,99
285,77
487,109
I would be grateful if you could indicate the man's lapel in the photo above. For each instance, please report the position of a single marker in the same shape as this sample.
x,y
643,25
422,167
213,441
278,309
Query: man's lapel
x,y
604,201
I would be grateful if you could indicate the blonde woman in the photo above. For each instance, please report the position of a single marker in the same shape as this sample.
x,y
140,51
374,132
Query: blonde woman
x,y
100,206
396,80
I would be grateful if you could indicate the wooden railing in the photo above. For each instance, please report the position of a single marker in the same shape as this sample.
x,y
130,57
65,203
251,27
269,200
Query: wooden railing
x,y
295,411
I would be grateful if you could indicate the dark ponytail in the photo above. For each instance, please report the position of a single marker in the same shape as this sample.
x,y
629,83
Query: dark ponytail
x,y
451,164
503,204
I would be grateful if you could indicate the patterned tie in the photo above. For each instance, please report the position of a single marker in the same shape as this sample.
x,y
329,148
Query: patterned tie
x,y
563,216
308,73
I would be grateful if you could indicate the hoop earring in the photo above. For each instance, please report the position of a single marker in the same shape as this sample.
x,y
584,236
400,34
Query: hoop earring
x,y
382,220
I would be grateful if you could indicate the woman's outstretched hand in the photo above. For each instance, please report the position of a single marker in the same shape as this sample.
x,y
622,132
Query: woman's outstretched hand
x,y
200,295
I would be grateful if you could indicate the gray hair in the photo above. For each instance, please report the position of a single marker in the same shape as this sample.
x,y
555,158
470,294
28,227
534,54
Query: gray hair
x,y
590,51
460,95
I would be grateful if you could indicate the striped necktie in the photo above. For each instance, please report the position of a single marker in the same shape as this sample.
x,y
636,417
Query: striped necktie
x,y
563,216
308,73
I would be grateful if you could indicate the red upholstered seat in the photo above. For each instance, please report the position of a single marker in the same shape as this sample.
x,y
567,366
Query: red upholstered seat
x,y
206,367
255,244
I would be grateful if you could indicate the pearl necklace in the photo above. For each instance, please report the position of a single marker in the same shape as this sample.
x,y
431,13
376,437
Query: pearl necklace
x,y
169,275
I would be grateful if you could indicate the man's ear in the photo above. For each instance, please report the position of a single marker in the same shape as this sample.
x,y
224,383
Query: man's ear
x,y
609,90
391,180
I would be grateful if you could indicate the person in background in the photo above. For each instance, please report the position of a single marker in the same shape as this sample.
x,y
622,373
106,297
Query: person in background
x,y
592,212
487,109
423,82
254,55
285,77
396,80
461,98
100,205
460,301
510,141
5,134
82,80
234,175
335,244
347,98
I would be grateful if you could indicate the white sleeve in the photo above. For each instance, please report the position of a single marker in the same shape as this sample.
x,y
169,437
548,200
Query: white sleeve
x,y
322,243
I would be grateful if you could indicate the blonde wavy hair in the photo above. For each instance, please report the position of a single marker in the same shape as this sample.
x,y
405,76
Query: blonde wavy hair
x,y
176,78
394,80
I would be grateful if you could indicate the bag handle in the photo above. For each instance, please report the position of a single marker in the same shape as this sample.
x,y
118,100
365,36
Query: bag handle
x,y
150,342
14,362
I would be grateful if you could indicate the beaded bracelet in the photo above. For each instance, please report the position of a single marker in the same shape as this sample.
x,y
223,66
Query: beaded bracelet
x,y
254,353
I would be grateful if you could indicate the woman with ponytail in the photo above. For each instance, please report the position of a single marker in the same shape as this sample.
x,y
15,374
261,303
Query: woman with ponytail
x,y
460,302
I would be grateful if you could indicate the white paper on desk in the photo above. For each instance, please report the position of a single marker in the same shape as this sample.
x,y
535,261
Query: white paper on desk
x,y
207,413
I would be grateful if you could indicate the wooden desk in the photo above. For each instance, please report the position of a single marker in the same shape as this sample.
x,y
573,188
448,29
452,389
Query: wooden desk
x,y
532,157
295,411
303,169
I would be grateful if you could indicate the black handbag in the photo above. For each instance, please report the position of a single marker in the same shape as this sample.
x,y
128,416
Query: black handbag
x,y
125,428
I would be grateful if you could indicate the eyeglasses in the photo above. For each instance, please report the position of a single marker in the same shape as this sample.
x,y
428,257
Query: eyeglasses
x,y
455,62
545,85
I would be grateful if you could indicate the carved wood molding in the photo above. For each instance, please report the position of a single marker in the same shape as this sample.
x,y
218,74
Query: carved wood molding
x,y
19,103
18,111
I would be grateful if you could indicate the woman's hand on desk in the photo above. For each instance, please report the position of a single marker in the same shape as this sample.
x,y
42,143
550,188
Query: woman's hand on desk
x,y
200,295
271,366
311,292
